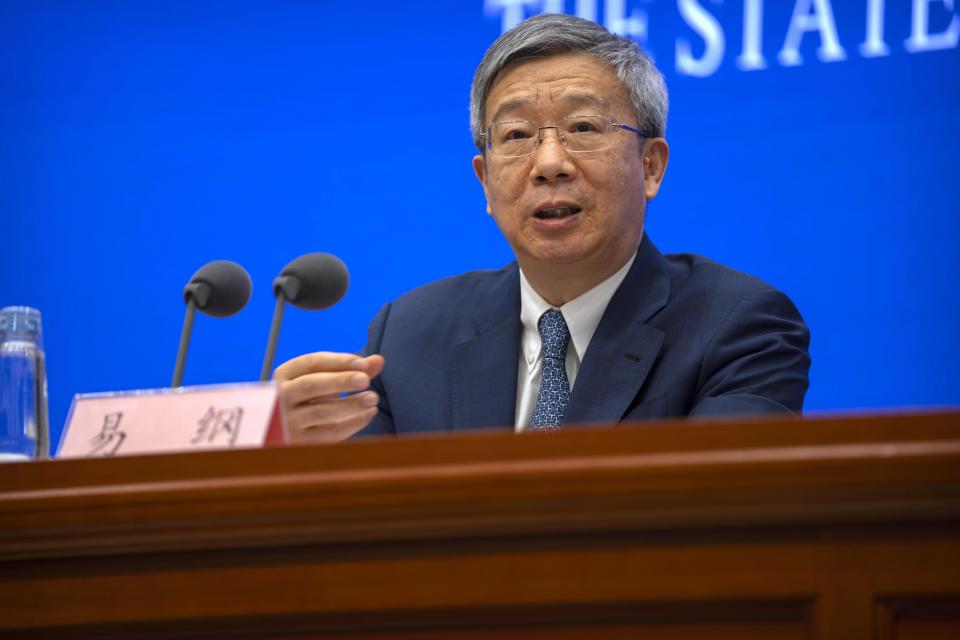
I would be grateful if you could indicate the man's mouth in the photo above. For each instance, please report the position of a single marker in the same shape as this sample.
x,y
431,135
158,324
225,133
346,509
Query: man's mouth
x,y
552,213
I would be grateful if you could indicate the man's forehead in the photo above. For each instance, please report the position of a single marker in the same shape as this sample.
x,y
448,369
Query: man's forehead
x,y
565,80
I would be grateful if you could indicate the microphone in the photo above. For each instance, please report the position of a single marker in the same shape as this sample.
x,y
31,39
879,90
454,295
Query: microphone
x,y
312,281
220,288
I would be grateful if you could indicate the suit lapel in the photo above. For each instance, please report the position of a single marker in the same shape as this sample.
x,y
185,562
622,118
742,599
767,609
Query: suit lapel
x,y
484,370
623,348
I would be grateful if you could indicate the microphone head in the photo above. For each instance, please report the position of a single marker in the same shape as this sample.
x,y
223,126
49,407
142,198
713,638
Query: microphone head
x,y
313,281
219,288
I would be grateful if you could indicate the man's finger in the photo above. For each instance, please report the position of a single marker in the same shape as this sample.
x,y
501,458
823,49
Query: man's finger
x,y
331,411
374,365
332,428
317,362
320,386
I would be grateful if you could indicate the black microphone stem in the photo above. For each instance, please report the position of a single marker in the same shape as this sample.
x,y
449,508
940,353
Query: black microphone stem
x,y
274,338
184,342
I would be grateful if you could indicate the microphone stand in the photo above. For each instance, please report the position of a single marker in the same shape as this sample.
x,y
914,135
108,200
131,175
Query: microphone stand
x,y
184,342
273,339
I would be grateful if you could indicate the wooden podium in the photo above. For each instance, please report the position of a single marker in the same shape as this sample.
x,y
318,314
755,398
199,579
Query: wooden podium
x,y
839,529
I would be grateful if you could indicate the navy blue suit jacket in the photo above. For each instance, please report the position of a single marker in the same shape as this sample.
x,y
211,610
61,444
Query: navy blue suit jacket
x,y
683,335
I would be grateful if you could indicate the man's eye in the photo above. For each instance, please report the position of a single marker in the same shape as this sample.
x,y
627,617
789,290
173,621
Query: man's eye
x,y
583,126
516,134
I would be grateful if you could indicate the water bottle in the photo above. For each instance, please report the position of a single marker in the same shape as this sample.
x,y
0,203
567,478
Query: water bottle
x,y
24,423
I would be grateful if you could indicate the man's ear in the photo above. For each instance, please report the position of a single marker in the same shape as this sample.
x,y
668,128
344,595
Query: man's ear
x,y
656,153
480,168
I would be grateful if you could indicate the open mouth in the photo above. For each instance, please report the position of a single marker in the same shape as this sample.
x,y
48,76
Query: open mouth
x,y
556,212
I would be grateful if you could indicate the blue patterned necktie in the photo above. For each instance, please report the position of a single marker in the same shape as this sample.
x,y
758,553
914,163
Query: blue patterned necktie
x,y
554,394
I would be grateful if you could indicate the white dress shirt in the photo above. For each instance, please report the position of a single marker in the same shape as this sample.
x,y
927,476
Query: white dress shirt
x,y
582,315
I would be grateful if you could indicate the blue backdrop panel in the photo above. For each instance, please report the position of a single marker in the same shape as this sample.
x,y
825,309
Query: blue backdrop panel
x,y
813,144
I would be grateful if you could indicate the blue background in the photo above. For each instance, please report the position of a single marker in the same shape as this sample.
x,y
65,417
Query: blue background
x,y
143,139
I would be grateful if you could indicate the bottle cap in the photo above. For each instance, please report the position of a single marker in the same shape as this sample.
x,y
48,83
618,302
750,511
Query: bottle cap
x,y
21,324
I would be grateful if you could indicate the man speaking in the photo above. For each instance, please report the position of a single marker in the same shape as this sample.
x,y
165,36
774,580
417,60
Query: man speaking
x,y
591,323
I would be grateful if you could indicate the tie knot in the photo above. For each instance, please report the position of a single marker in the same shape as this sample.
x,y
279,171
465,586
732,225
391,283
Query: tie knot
x,y
554,335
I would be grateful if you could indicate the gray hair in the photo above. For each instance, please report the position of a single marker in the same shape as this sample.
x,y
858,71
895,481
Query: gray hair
x,y
554,33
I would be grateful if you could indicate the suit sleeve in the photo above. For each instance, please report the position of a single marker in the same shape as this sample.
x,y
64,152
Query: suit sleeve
x,y
758,360
382,423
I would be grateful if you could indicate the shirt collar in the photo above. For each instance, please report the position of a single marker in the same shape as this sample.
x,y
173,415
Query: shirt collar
x,y
582,314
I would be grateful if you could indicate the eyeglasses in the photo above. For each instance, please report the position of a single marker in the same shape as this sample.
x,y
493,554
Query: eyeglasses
x,y
579,134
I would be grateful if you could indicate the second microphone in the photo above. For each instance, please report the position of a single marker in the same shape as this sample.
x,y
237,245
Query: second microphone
x,y
312,281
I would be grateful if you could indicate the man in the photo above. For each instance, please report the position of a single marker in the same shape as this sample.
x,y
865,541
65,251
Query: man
x,y
592,323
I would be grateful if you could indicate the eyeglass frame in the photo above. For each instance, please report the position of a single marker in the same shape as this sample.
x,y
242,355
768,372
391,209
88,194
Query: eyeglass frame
x,y
488,146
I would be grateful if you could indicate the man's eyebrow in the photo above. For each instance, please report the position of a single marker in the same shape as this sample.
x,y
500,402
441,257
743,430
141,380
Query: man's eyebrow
x,y
509,106
569,100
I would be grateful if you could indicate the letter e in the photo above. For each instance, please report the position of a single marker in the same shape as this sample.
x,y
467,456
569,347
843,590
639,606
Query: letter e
x,y
920,37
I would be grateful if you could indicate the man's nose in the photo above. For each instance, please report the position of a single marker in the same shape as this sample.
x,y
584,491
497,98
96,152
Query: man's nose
x,y
551,159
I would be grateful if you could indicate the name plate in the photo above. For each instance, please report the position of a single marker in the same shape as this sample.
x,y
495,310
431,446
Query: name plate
x,y
102,425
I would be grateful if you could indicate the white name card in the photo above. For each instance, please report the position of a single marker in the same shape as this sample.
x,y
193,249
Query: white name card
x,y
102,425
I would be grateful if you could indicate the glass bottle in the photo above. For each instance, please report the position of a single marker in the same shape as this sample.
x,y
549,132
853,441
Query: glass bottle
x,y
24,421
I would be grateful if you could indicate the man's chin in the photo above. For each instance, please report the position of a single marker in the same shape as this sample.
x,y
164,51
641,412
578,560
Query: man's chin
x,y
557,255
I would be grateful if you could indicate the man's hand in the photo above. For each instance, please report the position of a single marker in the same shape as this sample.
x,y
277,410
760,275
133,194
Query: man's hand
x,y
311,387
